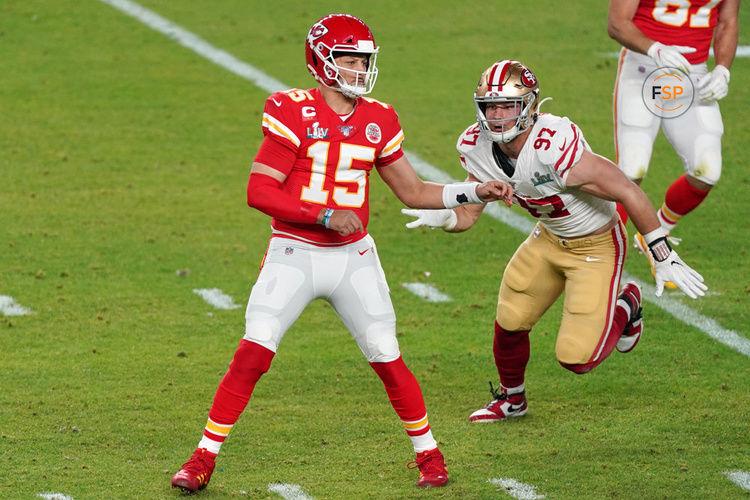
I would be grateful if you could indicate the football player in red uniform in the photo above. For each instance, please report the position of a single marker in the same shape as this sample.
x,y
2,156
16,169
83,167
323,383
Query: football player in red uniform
x,y
672,34
311,176
579,243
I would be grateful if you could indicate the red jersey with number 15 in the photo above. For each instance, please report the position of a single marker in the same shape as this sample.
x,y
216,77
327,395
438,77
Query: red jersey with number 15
x,y
333,156
680,22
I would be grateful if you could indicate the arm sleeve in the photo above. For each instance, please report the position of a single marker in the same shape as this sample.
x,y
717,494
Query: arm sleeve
x,y
265,193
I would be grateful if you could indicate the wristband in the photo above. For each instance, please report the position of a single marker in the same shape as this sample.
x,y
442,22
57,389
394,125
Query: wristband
x,y
460,193
658,244
327,217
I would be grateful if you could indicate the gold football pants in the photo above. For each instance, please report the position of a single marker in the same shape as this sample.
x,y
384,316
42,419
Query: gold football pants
x,y
587,269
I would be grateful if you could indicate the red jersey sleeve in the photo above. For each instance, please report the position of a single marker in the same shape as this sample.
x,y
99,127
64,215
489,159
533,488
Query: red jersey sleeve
x,y
279,126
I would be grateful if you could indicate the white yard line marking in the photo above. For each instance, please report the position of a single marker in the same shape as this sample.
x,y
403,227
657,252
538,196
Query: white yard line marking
x,y
198,45
54,496
516,489
427,292
9,307
289,491
739,477
426,170
217,298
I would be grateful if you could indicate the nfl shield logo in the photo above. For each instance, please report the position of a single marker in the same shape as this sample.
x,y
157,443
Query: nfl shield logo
x,y
346,130
288,251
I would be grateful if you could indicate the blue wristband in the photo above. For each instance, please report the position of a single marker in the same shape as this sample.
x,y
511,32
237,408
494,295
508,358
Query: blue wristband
x,y
327,216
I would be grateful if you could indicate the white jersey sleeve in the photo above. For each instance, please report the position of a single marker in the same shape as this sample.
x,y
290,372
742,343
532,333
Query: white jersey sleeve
x,y
475,154
552,150
559,144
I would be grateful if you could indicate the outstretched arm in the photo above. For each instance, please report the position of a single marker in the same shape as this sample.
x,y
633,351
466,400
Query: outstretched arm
x,y
597,175
453,220
416,193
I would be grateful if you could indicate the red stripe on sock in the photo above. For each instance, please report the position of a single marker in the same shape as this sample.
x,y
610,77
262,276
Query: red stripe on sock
x,y
214,437
419,432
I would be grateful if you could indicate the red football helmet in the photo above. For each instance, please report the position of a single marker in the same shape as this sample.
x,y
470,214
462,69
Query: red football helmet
x,y
337,33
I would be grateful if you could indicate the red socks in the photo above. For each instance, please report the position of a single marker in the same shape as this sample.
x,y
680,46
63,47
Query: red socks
x,y
405,395
250,361
511,351
681,199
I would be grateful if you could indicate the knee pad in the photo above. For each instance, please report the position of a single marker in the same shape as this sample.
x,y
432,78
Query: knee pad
x,y
570,352
510,319
633,159
707,168
263,329
380,344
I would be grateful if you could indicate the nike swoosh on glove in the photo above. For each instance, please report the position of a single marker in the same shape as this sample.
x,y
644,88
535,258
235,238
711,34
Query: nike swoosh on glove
x,y
444,218
670,56
714,85
675,270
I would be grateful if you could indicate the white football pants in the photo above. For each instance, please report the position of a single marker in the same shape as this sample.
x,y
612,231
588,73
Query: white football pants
x,y
694,135
349,277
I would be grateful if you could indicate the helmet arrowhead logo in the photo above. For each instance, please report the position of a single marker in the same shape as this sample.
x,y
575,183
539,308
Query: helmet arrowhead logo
x,y
317,31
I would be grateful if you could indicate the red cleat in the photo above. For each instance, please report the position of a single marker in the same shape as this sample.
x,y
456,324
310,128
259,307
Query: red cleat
x,y
631,295
196,472
432,470
502,406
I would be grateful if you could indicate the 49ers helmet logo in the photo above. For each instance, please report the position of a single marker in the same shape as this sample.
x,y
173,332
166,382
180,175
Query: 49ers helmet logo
x,y
528,79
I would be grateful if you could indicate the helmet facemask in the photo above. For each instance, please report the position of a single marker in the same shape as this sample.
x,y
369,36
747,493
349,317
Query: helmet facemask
x,y
521,119
364,81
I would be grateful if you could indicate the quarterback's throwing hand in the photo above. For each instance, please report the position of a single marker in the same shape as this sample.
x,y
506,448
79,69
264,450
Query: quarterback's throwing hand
x,y
494,191
675,270
346,222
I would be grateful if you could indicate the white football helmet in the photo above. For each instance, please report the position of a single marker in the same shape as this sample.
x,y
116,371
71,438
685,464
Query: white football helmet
x,y
335,34
507,81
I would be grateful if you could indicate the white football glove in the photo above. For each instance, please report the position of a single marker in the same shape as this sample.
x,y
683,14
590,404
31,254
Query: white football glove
x,y
670,56
714,85
444,218
668,266
675,270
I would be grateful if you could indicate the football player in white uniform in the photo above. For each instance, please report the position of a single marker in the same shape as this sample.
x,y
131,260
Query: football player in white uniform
x,y
578,245
312,176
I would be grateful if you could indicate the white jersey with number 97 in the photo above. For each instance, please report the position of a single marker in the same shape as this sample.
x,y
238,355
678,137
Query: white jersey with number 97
x,y
552,149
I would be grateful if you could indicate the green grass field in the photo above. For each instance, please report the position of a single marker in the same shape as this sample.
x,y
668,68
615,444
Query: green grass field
x,y
124,159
